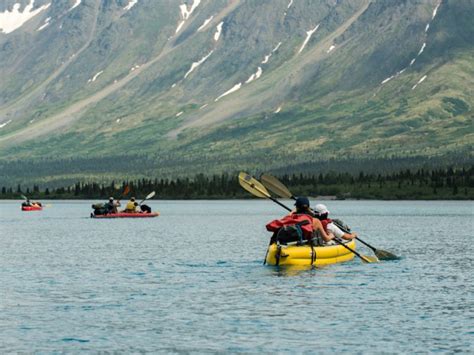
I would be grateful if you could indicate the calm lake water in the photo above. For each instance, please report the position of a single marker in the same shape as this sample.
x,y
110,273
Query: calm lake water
x,y
192,280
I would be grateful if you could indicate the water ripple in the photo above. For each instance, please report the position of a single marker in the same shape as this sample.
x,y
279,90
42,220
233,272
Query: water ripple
x,y
174,284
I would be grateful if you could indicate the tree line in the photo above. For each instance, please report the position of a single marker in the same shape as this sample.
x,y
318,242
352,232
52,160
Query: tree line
x,y
448,183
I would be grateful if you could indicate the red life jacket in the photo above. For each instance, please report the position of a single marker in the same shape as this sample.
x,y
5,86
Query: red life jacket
x,y
325,223
292,219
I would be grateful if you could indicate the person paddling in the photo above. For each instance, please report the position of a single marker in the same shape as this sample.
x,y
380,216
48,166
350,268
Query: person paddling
x,y
131,206
29,203
321,214
303,208
111,205
302,217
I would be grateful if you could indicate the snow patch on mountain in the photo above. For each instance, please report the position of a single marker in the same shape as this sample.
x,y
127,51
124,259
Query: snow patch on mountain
x,y
267,57
46,24
255,75
422,48
388,79
185,13
12,20
435,11
95,77
331,48
203,106
179,113
196,64
205,23
419,82
76,4
218,31
308,37
5,123
181,24
131,4
278,109
234,89
289,5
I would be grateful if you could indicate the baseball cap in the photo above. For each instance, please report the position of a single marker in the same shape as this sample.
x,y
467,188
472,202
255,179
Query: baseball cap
x,y
321,209
302,201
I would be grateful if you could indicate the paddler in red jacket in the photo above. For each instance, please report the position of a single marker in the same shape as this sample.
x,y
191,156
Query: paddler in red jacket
x,y
321,213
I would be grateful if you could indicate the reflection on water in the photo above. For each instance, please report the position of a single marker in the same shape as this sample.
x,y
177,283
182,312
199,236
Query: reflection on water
x,y
193,280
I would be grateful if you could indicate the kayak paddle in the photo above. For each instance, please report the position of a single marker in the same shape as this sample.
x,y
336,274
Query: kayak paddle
x,y
150,195
253,186
276,186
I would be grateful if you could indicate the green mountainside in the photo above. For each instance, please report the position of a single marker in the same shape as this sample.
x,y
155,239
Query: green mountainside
x,y
105,89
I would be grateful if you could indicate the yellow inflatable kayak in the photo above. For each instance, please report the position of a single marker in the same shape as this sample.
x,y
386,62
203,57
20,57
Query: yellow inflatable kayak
x,y
304,255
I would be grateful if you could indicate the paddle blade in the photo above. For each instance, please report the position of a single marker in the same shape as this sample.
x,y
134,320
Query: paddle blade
x,y
252,185
150,195
370,259
275,186
385,255
24,197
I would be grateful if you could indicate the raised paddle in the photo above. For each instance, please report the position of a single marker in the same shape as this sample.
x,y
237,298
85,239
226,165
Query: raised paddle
x,y
150,195
35,202
253,186
276,186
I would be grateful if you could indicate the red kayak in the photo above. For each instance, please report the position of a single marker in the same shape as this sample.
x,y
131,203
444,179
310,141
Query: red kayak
x,y
126,215
31,208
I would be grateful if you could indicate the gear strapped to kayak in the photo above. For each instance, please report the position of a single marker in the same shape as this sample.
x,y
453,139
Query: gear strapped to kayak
x,y
292,228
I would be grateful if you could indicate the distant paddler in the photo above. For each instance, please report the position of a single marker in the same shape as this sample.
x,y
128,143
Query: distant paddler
x,y
131,206
112,205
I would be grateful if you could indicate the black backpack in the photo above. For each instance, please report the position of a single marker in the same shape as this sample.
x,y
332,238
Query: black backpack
x,y
291,234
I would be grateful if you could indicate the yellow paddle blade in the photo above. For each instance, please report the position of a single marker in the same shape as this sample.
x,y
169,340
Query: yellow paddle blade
x,y
370,259
276,186
252,185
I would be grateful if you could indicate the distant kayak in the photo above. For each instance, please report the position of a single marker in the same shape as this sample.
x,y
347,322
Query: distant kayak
x,y
126,215
31,208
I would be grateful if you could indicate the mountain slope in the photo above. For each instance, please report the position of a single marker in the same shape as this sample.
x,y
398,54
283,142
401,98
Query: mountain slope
x,y
214,85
